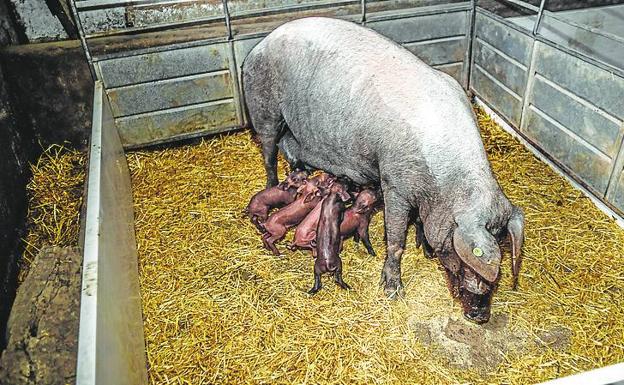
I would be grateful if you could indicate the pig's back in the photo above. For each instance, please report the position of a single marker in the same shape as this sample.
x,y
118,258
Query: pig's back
x,y
352,97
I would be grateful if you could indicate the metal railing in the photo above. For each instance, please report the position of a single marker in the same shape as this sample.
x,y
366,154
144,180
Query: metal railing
x,y
79,8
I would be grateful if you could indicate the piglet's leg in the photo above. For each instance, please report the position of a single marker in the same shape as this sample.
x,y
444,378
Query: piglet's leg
x,y
363,231
339,281
317,283
338,276
269,243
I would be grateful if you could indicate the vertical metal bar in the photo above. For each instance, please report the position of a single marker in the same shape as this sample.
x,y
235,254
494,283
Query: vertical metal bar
x,y
528,89
471,38
363,5
234,75
83,40
617,169
538,20
228,25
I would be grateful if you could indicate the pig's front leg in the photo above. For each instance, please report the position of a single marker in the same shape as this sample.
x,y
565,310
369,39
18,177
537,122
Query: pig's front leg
x,y
396,217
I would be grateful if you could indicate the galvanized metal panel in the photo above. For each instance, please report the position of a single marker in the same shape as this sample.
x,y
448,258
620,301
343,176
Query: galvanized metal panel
x,y
421,28
577,115
583,161
177,122
103,19
111,346
241,7
502,67
594,45
496,94
602,88
509,41
608,48
453,69
170,93
243,47
151,14
618,193
163,65
440,51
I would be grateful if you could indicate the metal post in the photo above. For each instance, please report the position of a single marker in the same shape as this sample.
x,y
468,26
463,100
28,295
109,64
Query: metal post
x,y
83,40
471,38
228,25
540,13
363,3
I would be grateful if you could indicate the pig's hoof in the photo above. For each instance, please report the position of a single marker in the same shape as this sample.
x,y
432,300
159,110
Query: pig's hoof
x,y
393,291
393,287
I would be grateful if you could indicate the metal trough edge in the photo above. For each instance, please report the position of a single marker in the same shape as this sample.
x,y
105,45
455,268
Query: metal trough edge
x,y
111,346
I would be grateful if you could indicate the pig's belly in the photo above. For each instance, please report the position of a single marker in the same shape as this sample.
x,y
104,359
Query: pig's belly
x,y
357,170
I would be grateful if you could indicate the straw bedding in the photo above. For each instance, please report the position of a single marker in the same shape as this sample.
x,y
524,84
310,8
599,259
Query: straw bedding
x,y
218,308
54,200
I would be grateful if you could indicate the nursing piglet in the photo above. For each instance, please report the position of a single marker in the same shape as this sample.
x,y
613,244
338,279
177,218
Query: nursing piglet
x,y
274,197
305,233
357,218
278,223
328,239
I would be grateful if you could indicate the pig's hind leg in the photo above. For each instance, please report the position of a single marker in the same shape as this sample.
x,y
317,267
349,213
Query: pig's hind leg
x,y
317,284
268,123
269,242
339,281
318,270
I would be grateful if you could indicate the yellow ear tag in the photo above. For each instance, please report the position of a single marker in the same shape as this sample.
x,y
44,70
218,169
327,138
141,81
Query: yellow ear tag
x,y
477,252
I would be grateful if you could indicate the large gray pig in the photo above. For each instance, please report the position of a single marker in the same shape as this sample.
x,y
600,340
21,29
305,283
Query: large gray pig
x,y
340,97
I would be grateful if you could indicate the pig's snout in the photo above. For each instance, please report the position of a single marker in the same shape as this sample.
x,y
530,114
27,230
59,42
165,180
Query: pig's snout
x,y
479,315
476,306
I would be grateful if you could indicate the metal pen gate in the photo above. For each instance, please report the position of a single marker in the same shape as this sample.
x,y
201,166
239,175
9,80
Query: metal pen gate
x,y
563,96
178,86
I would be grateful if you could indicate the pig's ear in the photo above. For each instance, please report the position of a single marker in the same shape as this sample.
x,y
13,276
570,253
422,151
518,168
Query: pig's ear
x,y
515,228
478,249
345,196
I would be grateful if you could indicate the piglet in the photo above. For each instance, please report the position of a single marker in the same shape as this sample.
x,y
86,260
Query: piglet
x,y
278,223
323,180
274,197
305,233
328,239
357,218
